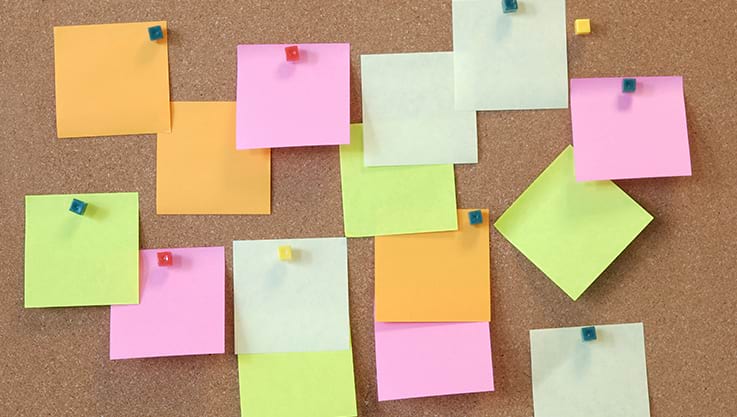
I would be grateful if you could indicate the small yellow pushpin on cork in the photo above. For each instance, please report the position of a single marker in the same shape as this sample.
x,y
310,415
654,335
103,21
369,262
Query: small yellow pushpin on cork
x,y
285,253
582,26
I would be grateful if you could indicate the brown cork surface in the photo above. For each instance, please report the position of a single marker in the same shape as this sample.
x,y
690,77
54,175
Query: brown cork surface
x,y
678,277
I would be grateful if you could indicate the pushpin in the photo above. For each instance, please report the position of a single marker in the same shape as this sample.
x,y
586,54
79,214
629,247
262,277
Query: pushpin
x,y
78,206
475,217
629,85
292,53
509,6
155,33
588,333
165,258
285,253
582,26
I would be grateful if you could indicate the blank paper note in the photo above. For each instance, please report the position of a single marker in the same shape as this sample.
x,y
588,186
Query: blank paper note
x,y
111,80
430,359
512,61
620,135
181,310
606,377
572,230
394,200
300,305
87,260
302,103
198,169
408,112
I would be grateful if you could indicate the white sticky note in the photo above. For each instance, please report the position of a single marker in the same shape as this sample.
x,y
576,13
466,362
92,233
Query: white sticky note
x,y
300,305
409,117
512,61
606,377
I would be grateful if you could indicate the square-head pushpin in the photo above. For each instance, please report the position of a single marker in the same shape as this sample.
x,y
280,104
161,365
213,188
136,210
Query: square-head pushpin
x,y
588,333
582,26
155,33
292,53
78,206
629,85
475,217
285,253
509,6
165,258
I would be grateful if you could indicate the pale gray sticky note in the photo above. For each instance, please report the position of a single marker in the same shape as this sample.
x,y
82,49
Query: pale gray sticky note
x,y
606,377
291,306
510,61
409,117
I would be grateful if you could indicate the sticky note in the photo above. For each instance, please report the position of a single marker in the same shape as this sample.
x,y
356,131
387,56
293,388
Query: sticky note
x,y
295,306
571,230
310,384
394,200
620,135
303,103
606,378
510,62
73,260
438,277
408,113
198,169
181,310
110,80
429,359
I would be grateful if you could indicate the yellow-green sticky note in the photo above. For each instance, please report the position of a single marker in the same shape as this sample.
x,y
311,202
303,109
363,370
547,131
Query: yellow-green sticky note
x,y
572,230
81,260
395,199
309,384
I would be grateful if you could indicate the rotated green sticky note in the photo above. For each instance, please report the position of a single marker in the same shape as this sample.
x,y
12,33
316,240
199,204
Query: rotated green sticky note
x,y
395,199
572,230
306,384
81,260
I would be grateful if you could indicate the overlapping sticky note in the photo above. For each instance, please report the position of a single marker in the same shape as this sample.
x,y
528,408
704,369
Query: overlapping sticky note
x,y
302,103
181,309
299,305
438,277
198,169
111,80
629,135
310,384
572,230
606,377
73,260
394,200
510,61
408,112
428,359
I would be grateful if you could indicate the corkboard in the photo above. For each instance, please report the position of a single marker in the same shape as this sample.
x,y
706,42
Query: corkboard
x,y
677,277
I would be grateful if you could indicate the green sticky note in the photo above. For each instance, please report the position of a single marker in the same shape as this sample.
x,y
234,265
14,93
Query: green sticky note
x,y
308,384
572,230
396,199
81,260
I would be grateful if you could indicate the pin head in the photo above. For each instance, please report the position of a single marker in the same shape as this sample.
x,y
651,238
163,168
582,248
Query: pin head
x,y
155,33
588,333
78,206
292,53
475,217
285,253
629,85
165,258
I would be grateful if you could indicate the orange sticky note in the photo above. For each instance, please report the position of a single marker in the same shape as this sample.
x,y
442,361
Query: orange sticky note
x,y
435,277
110,80
198,169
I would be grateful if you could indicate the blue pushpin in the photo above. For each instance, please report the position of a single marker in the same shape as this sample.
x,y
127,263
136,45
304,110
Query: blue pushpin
x,y
475,217
588,333
629,85
155,33
78,206
509,6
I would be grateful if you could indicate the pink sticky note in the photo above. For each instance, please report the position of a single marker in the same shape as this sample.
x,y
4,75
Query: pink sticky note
x,y
427,359
181,310
301,103
620,135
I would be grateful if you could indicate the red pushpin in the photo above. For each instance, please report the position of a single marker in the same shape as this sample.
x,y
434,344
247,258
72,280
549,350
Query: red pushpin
x,y
165,258
292,53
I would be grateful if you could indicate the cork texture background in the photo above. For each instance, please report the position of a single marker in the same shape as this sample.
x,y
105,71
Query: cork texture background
x,y
678,277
